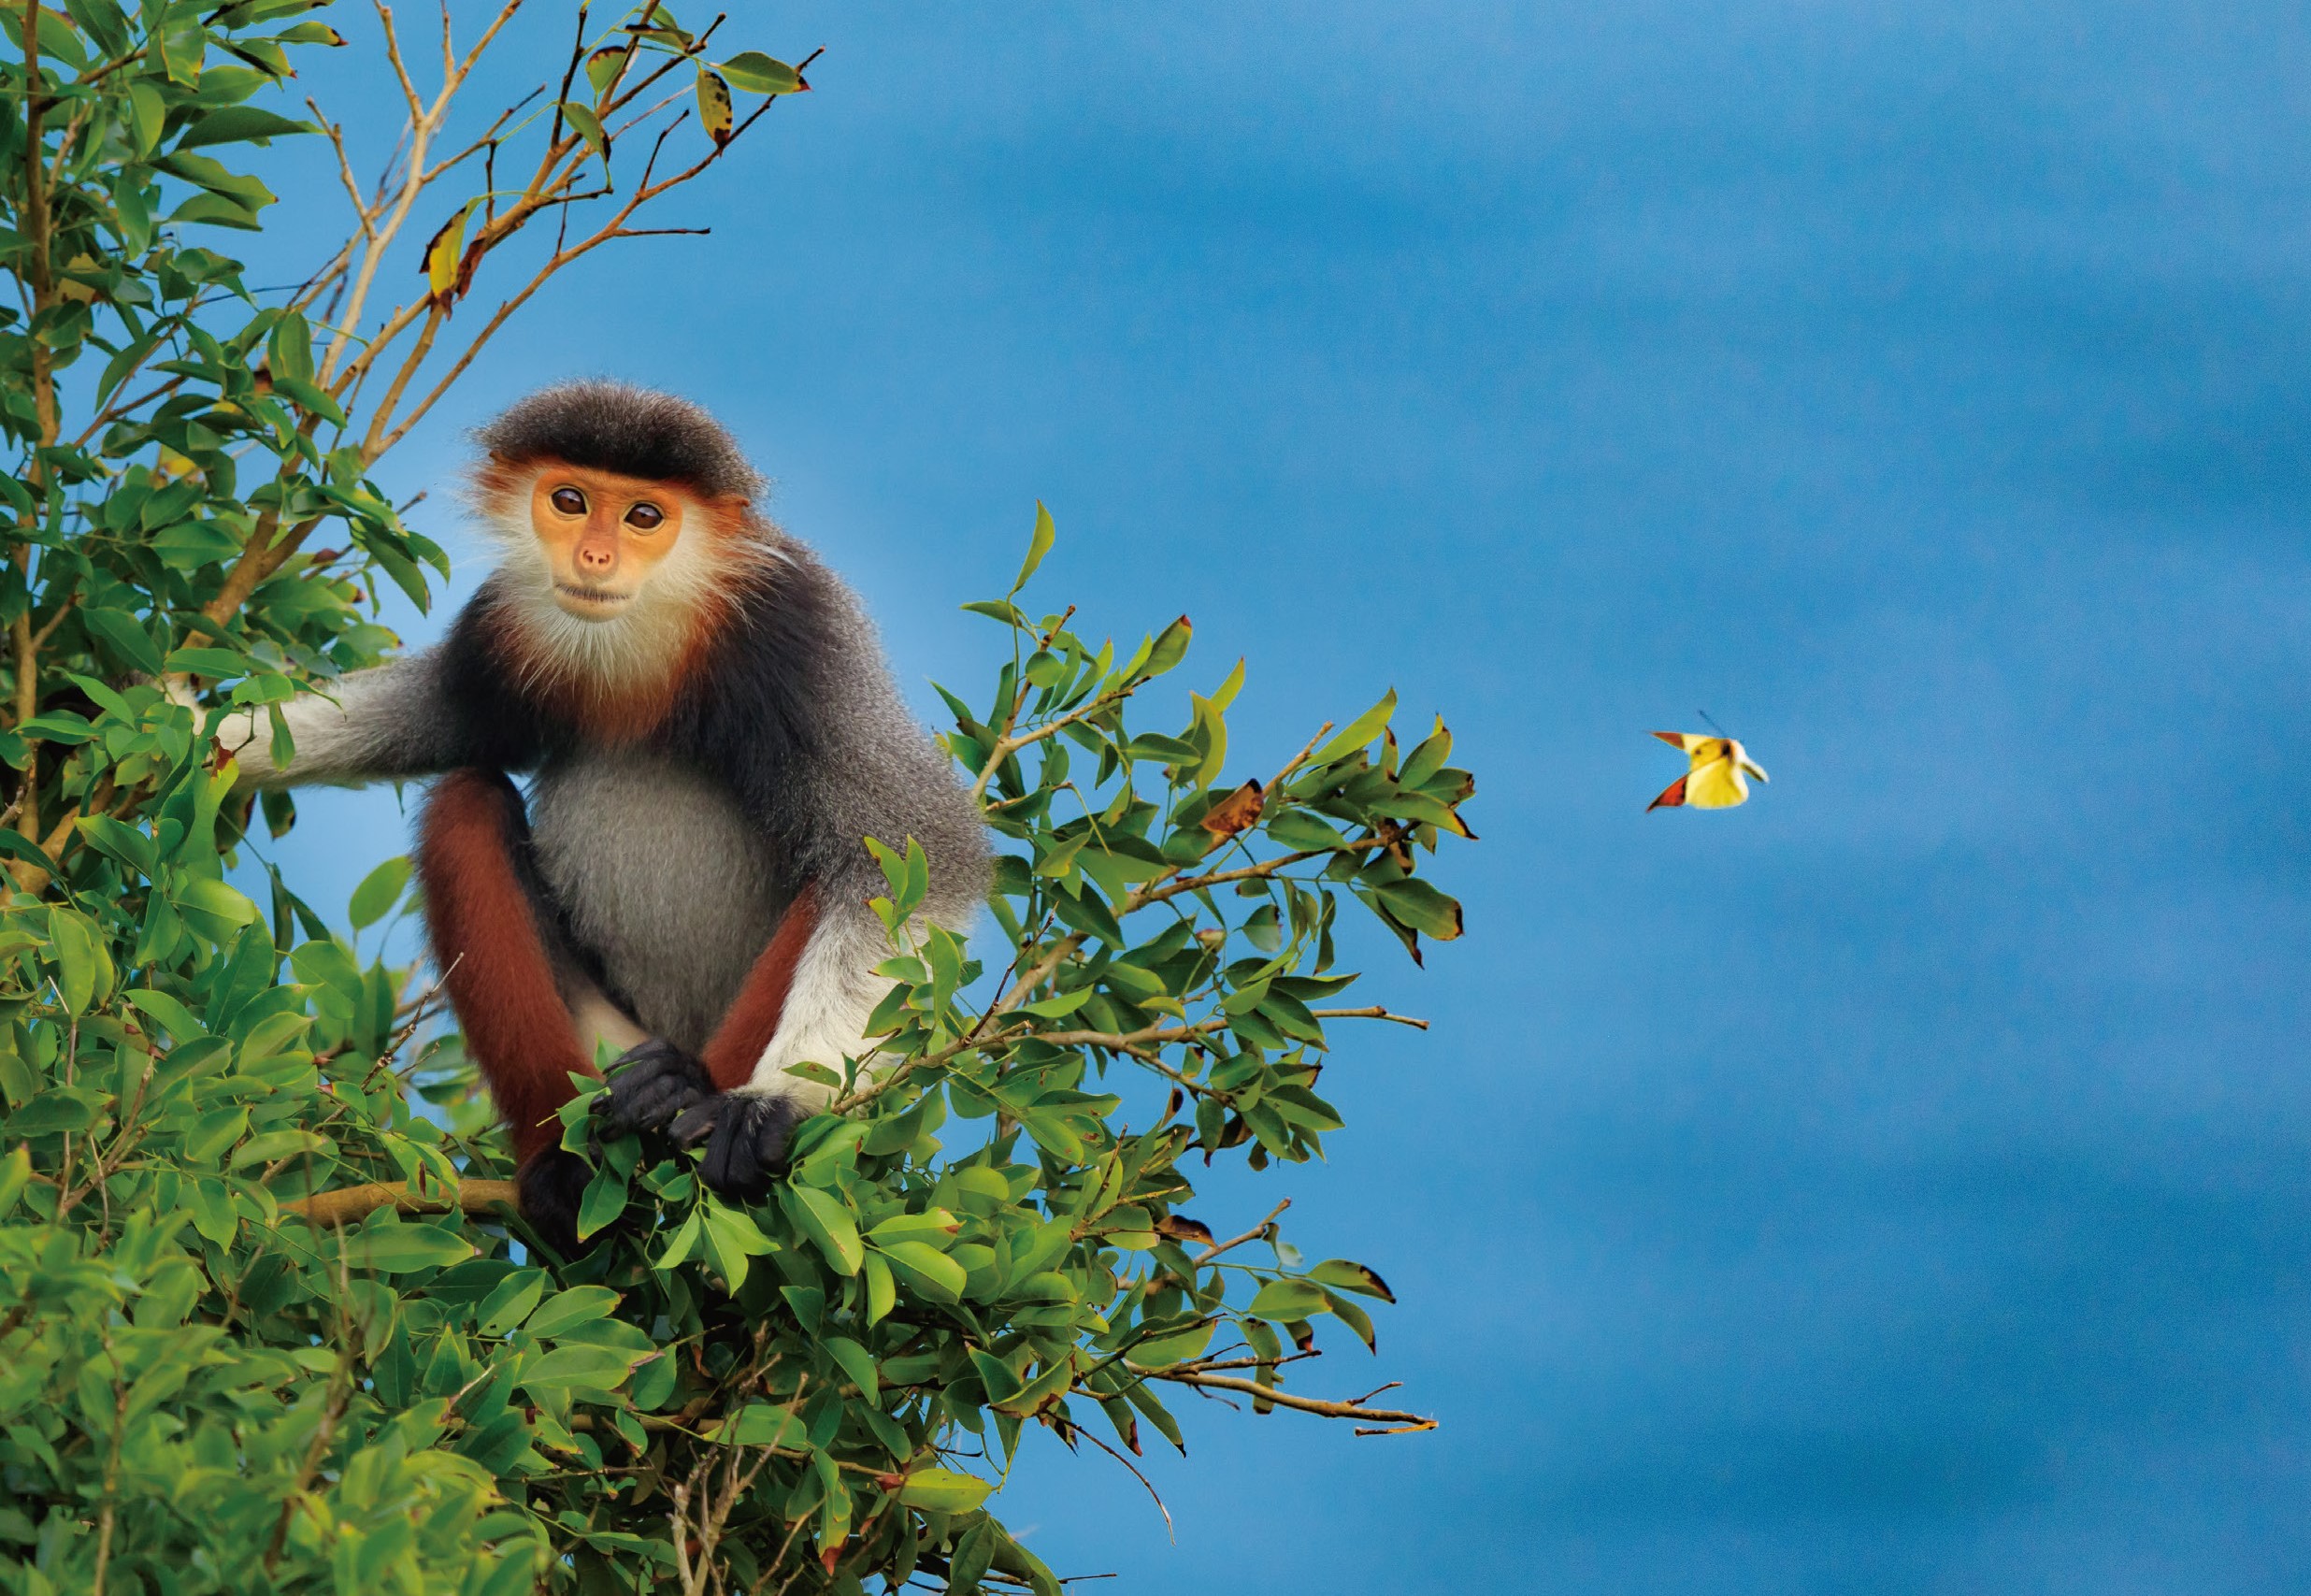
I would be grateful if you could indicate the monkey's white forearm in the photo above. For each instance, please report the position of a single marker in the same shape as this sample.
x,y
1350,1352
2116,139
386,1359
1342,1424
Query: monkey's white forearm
x,y
835,992
388,722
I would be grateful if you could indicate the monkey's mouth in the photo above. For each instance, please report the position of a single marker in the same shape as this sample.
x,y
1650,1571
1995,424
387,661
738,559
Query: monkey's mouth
x,y
591,602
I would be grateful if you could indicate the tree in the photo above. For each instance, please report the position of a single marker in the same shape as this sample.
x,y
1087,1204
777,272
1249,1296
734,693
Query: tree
x,y
267,1320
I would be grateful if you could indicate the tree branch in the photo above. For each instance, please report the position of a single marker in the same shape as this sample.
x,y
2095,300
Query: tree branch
x,y
1397,1423
348,1204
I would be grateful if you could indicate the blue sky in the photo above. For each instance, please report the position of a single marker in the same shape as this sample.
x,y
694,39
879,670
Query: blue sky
x,y
1897,1185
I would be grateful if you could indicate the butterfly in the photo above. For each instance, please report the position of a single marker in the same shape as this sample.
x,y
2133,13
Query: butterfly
x,y
1713,779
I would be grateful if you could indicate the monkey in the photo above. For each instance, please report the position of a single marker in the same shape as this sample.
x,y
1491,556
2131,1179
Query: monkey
x,y
708,733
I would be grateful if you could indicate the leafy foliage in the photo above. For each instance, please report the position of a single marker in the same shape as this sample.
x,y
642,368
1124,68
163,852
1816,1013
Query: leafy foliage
x,y
267,1322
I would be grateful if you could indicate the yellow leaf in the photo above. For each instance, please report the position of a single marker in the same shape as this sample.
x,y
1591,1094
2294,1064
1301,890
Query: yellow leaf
x,y
714,107
441,256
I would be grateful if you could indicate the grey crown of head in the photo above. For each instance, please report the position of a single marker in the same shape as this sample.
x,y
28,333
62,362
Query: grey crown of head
x,y
636,432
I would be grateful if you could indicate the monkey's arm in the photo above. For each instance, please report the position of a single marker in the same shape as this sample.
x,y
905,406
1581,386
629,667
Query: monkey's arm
x,y
391,722
444,707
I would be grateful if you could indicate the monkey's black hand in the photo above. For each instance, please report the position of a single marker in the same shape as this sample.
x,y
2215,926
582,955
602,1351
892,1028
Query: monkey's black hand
x,y
551,1185
649,1086
745,1135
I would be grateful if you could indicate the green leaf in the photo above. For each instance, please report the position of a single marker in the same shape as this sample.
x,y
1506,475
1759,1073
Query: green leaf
x,y
1349,1277
1426,759
1302,832
1284,1301
1168,648
758,74
1358,732
129,640
378,891
588,127
1038,544
881,1290
236,124
212,909
731,1239
759,1424
278,1144
171,1016
820,1215
943,1490
1423,908
58,726
147,111
936,1228
567,1310
600,1367
75,946
212,662
125,844
925,1269
510,1302
606,65
58,1108
404,1249
15,1174
289,348
604,1201
1161,1352
679,1245
857,1362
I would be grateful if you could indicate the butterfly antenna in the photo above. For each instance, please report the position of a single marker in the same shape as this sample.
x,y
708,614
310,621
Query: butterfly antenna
x,y
1712,725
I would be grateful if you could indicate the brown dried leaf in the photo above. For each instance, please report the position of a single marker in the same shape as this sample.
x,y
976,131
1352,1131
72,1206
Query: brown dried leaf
x,y
1240,810
1178,1227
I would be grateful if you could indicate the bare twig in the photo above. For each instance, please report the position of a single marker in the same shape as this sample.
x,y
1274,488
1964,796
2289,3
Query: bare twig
x,y
1154,1495
1397,1423
1264,1228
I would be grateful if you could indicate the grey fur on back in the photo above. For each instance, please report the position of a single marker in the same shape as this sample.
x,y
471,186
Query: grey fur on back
x,y
881,775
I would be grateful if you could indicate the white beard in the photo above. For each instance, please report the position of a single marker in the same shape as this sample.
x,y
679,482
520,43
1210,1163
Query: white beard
x,y
635,645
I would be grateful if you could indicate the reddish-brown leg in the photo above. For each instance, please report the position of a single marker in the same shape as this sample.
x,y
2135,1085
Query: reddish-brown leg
x,y
493,953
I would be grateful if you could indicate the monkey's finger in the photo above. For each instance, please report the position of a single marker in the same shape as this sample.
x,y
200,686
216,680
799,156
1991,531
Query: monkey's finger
x,y
696,1123
650,1106
660,1082
748,1148
730,1167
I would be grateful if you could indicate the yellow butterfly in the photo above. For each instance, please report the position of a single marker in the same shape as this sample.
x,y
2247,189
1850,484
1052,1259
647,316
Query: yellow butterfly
x,y
1713,779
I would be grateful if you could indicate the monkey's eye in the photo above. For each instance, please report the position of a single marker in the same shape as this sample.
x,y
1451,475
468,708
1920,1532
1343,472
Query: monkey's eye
x,y
645,517
569,501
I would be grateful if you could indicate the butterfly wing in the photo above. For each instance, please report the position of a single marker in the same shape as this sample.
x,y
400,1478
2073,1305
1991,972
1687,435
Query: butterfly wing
x,y
1718,785
1672,796
1698,750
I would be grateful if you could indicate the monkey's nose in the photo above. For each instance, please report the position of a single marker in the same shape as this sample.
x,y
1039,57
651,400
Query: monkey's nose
x,y
595,560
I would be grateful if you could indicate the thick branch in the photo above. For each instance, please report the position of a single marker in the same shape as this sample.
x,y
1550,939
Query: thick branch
x,y
349,1204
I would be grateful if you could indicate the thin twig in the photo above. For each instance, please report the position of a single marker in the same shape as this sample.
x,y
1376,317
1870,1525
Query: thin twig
x,y
1398,1423
1265,1227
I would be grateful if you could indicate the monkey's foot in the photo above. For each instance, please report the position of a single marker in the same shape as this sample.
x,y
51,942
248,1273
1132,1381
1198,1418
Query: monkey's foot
x,y
745,1135
551,1186
650,1086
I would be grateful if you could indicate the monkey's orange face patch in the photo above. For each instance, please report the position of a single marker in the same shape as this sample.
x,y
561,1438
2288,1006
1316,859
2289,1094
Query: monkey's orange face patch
x,y
604,536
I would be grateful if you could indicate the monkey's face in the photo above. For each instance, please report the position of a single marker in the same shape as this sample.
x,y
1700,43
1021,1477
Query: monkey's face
x,y
603,536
